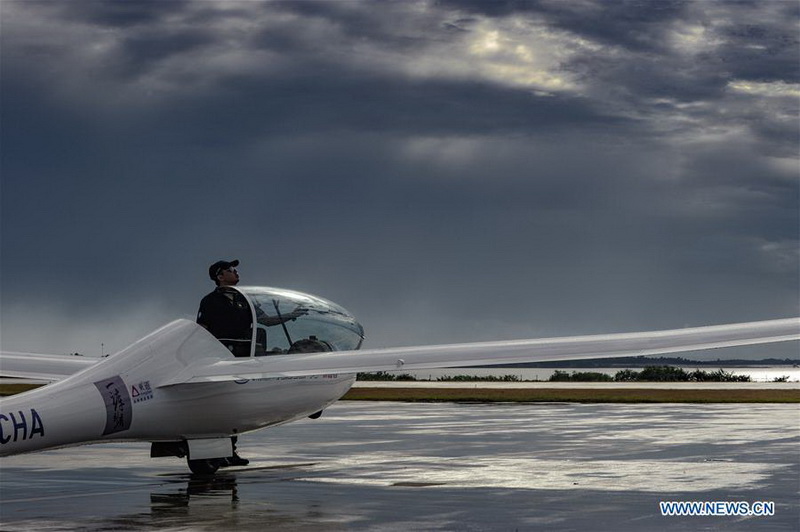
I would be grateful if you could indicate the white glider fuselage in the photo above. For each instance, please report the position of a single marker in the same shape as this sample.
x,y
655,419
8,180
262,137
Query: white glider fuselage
x,y
121,398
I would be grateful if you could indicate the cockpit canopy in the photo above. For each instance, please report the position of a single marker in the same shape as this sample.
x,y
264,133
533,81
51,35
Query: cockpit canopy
x,y
286,321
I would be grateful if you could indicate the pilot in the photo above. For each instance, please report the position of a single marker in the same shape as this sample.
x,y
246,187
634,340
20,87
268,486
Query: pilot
x,y
225,312
226,315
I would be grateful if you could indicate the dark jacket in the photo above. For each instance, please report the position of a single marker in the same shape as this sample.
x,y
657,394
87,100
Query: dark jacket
x,y
226,315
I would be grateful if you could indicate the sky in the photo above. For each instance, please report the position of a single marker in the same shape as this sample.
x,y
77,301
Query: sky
x,y
448,171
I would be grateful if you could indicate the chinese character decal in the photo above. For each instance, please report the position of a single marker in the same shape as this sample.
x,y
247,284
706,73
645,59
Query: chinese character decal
x,y
118,404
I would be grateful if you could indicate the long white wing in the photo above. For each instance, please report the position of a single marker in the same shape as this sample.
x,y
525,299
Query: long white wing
x,y
47,368
493,353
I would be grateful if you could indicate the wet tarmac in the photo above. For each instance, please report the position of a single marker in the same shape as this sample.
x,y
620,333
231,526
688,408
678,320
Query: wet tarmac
x,y
401,466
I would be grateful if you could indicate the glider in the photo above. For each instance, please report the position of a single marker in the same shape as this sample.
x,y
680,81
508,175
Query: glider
x,y
182,390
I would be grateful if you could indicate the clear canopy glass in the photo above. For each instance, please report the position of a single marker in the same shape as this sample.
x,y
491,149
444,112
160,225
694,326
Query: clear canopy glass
x,y
293,322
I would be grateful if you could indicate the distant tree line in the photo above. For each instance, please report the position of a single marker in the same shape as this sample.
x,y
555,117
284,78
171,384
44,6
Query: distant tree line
x,y
650,374
641,361
386,376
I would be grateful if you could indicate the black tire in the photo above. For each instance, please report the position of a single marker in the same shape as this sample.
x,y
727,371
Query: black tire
x,y
204,467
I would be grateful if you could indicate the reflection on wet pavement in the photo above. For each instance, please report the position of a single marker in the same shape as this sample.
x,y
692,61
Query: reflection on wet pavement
x,y
393,466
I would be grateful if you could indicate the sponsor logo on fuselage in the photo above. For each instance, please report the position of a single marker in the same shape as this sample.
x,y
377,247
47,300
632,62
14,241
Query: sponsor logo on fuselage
x,y
19,426
141,392
119,411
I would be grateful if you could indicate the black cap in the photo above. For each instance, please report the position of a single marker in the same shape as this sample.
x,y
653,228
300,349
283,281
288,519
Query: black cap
x,y
220,265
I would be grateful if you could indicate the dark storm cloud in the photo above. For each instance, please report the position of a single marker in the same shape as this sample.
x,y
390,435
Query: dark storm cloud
x,y
116,14
354,103
139,51
763,50
447,170
363,24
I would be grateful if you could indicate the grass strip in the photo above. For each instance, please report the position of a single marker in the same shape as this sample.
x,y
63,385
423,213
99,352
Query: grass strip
x,y
610,395
12,388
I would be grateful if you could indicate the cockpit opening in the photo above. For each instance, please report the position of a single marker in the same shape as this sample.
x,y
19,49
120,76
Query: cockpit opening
x,y
287,322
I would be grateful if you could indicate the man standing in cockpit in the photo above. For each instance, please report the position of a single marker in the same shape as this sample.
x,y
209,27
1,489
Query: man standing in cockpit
x,y
224,312
226,315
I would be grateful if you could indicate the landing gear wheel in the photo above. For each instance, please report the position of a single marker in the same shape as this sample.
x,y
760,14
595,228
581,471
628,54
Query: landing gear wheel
x,y
204,467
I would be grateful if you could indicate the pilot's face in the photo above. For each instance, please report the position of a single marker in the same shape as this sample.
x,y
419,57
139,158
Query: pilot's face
x,y
229,277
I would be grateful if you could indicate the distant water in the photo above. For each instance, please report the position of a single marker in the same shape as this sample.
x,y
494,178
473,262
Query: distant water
x,y
757,374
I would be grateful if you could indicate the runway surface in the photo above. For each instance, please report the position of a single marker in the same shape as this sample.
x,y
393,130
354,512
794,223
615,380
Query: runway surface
x,y
401,466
